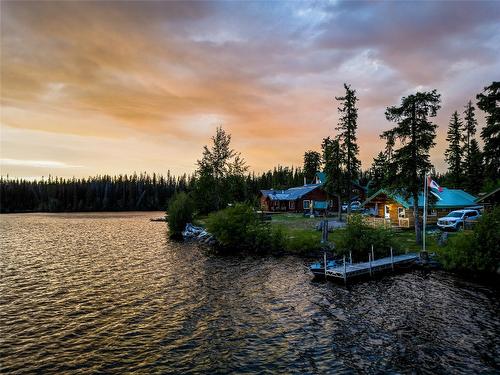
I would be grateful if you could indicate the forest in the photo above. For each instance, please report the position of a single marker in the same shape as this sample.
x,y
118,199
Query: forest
x,y
134,192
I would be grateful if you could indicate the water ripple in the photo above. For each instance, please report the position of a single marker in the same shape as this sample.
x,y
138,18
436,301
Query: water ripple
x,y
94,293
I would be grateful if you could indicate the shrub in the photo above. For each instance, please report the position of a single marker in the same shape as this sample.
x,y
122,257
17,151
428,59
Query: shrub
x,y
357,238
477,251
239,228
180,212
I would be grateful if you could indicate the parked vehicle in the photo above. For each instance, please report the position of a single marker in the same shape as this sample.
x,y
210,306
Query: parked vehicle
x,y
456,220
355,206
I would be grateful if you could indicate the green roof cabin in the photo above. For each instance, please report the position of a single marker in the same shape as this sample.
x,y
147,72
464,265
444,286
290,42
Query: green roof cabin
x,y
394,207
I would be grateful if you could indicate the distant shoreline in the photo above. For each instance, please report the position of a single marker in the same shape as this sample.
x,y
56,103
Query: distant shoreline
x,y
78,212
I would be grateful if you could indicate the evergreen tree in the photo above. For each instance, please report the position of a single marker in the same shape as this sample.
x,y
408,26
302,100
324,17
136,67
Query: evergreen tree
x,y
332,165
416,134
347,126
453,154
378,172
312,164
470,124
488,101
474,168
219,170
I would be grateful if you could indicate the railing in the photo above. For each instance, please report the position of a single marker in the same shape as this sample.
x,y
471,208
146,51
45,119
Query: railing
x,y
384,222
378,222
403,222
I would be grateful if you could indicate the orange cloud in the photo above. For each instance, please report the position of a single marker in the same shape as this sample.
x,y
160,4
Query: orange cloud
x,y
166,73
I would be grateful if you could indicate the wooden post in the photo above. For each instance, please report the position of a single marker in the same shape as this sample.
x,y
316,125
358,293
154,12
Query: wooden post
x,y
373,255
345,272
324,234
370,261
324,259
350,257
392,260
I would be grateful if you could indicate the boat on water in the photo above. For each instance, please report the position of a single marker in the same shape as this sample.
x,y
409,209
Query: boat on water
x,y
318,268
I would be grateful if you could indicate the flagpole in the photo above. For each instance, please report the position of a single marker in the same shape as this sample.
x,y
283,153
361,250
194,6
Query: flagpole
x,y
425,211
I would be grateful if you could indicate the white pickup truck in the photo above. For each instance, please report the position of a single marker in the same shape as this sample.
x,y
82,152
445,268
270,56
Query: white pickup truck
x,y
456,219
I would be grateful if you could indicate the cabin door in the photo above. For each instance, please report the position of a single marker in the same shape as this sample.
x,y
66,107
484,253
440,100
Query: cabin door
x,y
387,212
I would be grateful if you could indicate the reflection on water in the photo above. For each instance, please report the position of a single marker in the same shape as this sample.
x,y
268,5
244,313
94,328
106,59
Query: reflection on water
x,y
110,292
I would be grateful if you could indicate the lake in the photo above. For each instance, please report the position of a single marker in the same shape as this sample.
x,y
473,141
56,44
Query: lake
x,y
109,292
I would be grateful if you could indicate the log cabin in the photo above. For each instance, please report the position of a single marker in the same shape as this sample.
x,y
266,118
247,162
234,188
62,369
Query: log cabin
x,y
296,199
300,199
395,207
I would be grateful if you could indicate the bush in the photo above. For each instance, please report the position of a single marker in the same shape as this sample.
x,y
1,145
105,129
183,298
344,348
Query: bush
x,y
239,228
476,251
357,238
180,212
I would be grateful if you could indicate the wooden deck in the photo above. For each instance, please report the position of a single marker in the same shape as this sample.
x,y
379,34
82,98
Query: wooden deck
x,y
349,270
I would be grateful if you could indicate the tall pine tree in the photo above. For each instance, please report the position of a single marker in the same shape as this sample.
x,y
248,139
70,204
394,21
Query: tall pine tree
x,y
470,124
332,166
473,169
219,170
378,172
453,154
312,163
416,134
348,124
488,101
473,160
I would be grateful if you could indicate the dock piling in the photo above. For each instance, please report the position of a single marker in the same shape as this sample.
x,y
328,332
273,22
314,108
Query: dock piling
x,y
392,260
373,255
350,257
345,272
324,259
370,262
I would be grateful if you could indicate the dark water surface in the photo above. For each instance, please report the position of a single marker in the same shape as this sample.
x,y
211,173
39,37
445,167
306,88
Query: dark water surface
x,y
109,292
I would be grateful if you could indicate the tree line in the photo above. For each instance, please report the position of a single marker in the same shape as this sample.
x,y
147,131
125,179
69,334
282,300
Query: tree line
x,y
135,192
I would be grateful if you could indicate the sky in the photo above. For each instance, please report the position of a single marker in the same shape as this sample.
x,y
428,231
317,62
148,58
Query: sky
x,y
115,87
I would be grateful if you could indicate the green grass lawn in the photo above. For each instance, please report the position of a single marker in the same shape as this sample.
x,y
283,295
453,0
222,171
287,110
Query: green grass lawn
x,y
304,238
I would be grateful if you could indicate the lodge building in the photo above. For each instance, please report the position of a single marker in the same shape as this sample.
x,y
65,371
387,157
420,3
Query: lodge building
x,y
395,208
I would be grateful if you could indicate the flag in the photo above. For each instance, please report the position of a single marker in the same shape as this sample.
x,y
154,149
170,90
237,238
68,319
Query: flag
x,y
433,184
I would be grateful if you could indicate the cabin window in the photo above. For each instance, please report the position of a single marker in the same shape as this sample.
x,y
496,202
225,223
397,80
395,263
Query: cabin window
x,y
433,212
291,205
401,212
307,204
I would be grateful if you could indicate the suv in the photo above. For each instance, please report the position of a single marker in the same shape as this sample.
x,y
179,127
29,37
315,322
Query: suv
x,y
456,219
355,206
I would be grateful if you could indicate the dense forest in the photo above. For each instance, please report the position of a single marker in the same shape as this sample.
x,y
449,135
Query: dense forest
x,y
141,192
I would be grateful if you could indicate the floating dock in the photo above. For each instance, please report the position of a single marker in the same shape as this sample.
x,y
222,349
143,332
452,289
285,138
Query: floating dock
x,y
348,270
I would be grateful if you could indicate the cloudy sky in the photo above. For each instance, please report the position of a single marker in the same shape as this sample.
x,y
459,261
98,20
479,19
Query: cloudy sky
x,y
116,87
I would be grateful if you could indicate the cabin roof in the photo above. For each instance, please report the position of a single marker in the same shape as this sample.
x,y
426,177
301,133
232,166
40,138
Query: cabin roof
x,y
487,195
290,194
448,198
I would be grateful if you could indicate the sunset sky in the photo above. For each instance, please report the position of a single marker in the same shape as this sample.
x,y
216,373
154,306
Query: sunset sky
x,y
116,87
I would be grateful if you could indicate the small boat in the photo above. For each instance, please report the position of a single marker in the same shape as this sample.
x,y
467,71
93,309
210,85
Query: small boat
x,y
318,268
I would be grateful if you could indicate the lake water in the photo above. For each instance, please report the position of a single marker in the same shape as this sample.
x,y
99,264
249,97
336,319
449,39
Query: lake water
x,y
109,292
